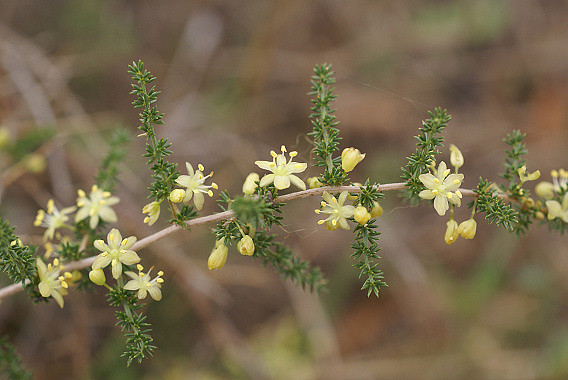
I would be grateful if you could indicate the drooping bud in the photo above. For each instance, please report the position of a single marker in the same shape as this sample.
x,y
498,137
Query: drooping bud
x,y
451,232
467,229
377,210
361,215
250,183
218,256
97,276
350,157
246,246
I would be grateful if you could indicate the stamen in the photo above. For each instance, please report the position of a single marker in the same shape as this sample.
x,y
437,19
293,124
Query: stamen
x,y
81,193
435,192
283,148
436,180
94,188
273,154
293,153
200,167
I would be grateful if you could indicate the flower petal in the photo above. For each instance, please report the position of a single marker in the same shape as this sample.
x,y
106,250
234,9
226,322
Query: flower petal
x,y
130,241
116,270
296,167
82,214
297,182
266,165
108,215
132,284
427,194
155,293
427,180
101,262
441,204
281,182
266,180
198,199
58,298
450,181
129,257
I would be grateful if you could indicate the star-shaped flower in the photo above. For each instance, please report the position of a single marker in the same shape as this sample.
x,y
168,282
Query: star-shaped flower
x,y
116,252
557,210
96,206
338,213
51,283
195,185
52,219
144,284
441,188
282,170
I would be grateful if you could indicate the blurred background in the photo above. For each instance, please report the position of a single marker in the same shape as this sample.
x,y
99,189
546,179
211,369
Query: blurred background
x,y
234,77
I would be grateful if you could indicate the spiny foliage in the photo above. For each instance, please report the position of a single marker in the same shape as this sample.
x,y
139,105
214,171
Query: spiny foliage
x,y
107,176
495,209
16,259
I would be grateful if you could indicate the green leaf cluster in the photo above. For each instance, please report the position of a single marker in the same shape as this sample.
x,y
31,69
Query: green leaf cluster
x,y
107,175
325,135
426,147
138,342
366,248
157,150
11,366
495,209
17,261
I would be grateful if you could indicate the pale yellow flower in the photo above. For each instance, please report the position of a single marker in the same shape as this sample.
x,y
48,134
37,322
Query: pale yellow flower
x,y
51,283
52,219
441,188
350,157
153,211
145,284
557,210
361,215
467,229
116,252
456,156
246,246
96,206
451,232
195,186
282,171
218,256
338,213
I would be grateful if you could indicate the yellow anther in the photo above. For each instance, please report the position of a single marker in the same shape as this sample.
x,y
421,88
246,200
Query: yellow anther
x,y
50,205
323,204
160,273
456,181
49,267
102,202
272,164
94,188
210,193
293,153
111,237
80,204
334,222
317,210
56,262
321,221
214,185
104,254
283,148
435,192
273,154
200,167
211,174
67,274
106,194
64,284
554,173
114,262
123,242
436,180
449,195
81,193
563,173
298,166
159,280
146,219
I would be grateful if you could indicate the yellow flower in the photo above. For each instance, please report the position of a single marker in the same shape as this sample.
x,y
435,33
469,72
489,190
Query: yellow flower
x,y
557,210
51,283
451,232
249,186
338,213
350,157
456,157
153,211
467,229
96,206
361,215
527,177
218,256
116,252
246,246
52,219
282,170
144,284
195,185
441,188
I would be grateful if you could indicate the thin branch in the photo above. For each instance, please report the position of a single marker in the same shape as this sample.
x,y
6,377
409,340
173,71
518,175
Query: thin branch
x,y
85,263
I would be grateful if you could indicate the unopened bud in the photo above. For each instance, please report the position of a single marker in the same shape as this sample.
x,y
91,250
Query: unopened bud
x,y
313,182
97,276
456,157
361,215
545,190
218,256
451,232
467,229
177,195
250,183
350,157
246,246
377,210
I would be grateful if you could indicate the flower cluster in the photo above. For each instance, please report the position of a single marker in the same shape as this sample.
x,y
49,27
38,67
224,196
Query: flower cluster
x,y
556,195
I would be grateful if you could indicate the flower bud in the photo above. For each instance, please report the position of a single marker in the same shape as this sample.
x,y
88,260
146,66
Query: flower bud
x,y
467,229
361,215
539,215
350,157
545,190
249,186
35,163
451,232
313,182
97,276
330,226
218,257
177,195
456,157
377,210
246,246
